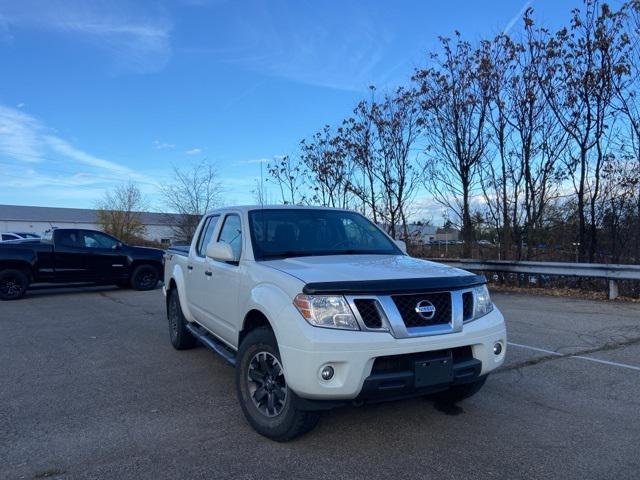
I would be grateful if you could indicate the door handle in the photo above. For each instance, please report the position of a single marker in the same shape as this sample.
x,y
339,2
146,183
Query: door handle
x,y
189,267
208,273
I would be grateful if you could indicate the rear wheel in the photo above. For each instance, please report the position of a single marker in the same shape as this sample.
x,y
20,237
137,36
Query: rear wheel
x,y
458,393
145,277
13,284
266,400
180,337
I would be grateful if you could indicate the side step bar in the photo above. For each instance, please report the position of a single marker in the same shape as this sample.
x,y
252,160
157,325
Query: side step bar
x,y
212,343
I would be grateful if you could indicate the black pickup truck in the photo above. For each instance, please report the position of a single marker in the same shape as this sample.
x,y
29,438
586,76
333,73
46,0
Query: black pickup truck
x,y
67,255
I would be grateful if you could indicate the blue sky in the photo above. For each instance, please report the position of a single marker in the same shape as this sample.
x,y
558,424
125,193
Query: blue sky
x,y
93,94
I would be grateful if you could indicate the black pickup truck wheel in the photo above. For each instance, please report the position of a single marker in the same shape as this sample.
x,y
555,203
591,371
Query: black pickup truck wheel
x,y
13,284
145,277
266,401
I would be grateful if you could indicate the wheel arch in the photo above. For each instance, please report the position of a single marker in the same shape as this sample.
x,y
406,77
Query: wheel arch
x,y
154,263
18,265
177,283
254,318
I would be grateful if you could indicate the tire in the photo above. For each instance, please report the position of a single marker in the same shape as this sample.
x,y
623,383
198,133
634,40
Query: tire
x,y
458,393
180,337
13,284
259,353
145,277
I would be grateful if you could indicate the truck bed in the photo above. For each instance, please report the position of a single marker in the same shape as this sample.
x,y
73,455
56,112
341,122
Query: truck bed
x,y
179,250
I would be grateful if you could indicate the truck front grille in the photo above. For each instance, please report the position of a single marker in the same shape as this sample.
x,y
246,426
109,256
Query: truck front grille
x,y
467,306
369,311
407,304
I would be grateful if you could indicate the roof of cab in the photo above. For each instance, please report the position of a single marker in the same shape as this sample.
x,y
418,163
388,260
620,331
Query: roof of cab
x,y
248,208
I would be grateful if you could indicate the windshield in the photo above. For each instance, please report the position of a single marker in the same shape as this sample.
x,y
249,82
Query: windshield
x,y
279,233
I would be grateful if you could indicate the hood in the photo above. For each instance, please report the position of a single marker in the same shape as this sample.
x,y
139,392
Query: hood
x,y
337,268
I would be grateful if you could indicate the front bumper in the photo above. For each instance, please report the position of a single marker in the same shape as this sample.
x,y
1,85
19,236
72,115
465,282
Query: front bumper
x,y
353,354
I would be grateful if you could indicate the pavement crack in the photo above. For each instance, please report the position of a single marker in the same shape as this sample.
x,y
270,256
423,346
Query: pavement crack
x,y
124,304
587,351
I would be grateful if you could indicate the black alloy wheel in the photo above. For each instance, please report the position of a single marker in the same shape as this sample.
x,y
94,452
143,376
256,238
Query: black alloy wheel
x,y
13,284
266,384
145,277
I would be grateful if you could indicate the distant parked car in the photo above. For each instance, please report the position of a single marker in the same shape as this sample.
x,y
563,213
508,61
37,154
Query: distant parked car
x,y
484,243
70,255
6,236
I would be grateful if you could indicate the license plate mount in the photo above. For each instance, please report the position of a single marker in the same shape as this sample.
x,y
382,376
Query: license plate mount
x,y
434,371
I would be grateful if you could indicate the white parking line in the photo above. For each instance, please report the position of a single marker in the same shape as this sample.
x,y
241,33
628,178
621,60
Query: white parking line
x,y
580,357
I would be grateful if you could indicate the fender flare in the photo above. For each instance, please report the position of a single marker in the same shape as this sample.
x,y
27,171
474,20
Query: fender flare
x,y
178,278
270,301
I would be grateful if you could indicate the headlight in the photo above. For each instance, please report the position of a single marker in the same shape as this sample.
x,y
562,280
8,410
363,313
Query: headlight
x,y
326,311
483,302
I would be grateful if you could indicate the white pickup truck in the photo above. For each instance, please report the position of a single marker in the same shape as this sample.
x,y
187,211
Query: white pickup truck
x,y
318,307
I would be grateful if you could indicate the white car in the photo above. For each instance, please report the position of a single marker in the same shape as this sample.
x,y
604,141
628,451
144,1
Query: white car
x,y
7,236
318,308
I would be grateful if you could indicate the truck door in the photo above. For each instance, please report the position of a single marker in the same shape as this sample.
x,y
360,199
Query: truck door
x,y
86,256
106,259
224,281
197,281
68,262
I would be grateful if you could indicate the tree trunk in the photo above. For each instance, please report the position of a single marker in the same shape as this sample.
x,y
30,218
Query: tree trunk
x,y
467,232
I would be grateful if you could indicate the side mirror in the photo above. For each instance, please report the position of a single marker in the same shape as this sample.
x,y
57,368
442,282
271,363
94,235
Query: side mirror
x,y
401,245
221,251
117,246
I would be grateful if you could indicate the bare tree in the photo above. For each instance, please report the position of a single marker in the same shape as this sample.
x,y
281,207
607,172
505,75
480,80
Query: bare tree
x,y
455,102
119,212
497,174
330,168
583,66
398,127
194,191
289,175
359,135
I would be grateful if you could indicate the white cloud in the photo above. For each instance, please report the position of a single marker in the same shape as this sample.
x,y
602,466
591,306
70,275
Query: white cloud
x,y
25,140
137,41
158,145
255,160
193,151
516,18
69,151
19,135
306,43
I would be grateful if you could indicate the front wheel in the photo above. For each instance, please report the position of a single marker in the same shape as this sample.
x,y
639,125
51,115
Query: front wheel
x,y
145,277
13,284
266,400
458,393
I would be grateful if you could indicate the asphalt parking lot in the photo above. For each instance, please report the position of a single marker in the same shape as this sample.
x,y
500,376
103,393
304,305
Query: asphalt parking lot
x,y
91,388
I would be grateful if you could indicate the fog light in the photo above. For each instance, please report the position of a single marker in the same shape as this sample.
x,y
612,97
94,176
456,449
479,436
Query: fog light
x,y
327,373
497,348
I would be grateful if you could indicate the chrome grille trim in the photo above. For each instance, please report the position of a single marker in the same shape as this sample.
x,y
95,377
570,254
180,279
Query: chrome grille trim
x,y
393,322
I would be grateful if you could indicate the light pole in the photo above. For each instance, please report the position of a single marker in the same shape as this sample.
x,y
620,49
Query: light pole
x,y
576,245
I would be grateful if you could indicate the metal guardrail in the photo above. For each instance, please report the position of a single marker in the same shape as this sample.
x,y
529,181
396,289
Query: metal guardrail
x,y
611,272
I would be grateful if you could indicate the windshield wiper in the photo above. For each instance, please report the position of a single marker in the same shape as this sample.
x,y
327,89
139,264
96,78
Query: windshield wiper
x,y
288,253
301,253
